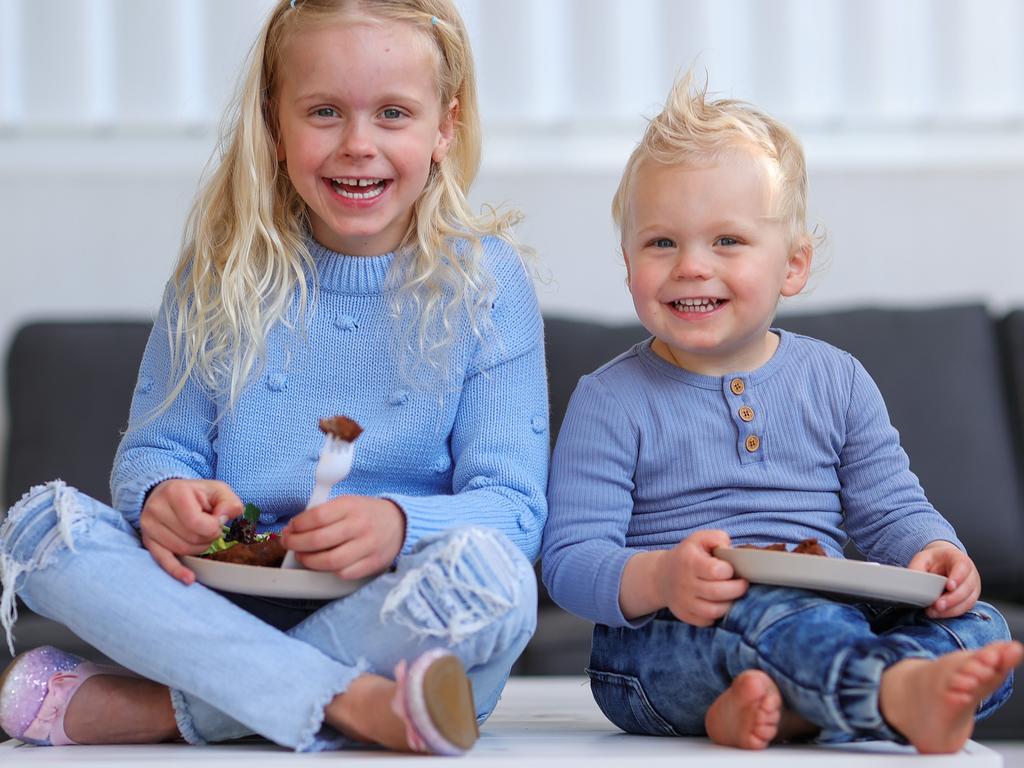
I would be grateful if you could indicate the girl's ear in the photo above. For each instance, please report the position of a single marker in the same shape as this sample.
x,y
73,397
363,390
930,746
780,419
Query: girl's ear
x,y
798,268
446,132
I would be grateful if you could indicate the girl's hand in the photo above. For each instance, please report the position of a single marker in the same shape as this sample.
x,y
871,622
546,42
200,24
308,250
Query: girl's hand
x,y
183,517
963,583
694,584
353,536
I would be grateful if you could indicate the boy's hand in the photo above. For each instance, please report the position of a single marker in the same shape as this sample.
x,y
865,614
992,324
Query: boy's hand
x,y
183,517
695,585
963,583
354,536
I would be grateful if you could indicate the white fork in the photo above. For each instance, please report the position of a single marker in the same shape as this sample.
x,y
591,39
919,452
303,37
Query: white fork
x,y
332,466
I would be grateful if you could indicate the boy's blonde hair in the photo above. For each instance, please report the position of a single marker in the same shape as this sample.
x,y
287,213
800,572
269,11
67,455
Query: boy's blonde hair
x,y
244,257
691,129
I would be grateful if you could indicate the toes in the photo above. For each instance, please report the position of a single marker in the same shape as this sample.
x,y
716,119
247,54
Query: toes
x,y
1012,655
771,703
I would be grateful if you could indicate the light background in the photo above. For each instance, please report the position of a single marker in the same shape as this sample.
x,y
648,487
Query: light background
x,y
912,113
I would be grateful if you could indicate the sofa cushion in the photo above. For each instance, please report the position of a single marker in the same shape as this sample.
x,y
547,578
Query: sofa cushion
x,y
1011,336
578,347
939,371
69,386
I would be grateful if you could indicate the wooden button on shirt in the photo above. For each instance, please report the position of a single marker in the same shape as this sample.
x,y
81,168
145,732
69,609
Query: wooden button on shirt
x,y
747,413
737,386
753,443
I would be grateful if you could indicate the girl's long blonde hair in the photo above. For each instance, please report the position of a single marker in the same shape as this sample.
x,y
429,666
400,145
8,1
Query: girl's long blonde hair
x,y
244,257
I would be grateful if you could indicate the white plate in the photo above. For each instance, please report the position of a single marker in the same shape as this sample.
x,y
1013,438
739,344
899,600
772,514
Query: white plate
x,y
271,582
830,574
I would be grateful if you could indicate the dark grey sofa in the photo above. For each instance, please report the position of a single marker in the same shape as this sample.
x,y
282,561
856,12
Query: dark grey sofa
x,y
953,378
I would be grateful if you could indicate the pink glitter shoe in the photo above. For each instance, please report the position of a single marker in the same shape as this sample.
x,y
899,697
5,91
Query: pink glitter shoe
x,y
35,690
435,701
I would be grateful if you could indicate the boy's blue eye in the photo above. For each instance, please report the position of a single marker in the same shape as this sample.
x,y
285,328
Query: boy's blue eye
x,y
391,113
725,240
663,242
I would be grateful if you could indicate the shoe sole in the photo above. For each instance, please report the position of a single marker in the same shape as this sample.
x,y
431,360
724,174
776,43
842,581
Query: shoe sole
x,y
449,702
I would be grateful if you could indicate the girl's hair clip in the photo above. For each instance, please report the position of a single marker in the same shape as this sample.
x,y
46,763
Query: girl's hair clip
x,y
292,4
433,19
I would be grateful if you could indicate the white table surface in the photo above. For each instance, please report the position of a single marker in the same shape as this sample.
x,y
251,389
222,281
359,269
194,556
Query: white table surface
x,y
539,722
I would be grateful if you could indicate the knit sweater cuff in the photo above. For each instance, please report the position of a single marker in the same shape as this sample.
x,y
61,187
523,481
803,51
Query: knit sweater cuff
x,y
130,495
608,584
423,517
912,540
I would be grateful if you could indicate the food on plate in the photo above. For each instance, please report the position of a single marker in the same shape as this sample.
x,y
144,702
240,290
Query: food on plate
x,y
805,547
268,553
239,543
341,427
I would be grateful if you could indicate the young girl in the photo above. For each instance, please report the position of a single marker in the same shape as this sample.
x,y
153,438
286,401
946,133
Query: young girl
x,y
720,430
331,265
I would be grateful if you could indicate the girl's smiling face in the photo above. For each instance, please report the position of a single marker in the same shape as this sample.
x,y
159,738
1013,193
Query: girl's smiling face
x,y
359,124
707,261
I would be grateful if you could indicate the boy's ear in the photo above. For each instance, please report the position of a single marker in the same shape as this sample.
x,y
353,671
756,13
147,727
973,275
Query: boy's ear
x,y
446,132
798,267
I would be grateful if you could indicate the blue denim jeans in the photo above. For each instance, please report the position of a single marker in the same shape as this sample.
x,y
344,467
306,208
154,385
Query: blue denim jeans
x,y
826,656
231,674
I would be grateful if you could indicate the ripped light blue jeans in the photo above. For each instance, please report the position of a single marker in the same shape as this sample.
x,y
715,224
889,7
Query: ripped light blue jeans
x,y
826,657
231,674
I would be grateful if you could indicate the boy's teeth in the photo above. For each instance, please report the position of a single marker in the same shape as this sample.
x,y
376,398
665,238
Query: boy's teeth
x,y
696,305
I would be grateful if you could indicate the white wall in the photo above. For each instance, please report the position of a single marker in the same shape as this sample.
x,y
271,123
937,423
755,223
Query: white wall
x,y
912,112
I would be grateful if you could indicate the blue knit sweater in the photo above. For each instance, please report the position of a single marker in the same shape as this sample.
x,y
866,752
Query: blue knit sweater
x,y
650,453
470,450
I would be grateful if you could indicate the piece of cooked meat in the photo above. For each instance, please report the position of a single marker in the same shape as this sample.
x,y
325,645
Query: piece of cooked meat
x,y
341,427
805,547
809,547
268,553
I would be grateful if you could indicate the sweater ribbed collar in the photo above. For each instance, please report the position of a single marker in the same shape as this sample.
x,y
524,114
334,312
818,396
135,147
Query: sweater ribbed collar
x,y
703,381
341,273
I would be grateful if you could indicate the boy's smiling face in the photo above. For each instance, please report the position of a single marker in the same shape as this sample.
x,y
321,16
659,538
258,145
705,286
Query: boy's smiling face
x,y
707,261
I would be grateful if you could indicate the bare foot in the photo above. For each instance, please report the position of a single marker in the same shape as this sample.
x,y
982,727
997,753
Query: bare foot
x,y
363,712
933,702
115,709
747,715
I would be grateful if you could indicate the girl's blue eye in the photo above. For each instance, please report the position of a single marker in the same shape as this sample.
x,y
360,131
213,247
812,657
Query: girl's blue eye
x,y
326,112
391,113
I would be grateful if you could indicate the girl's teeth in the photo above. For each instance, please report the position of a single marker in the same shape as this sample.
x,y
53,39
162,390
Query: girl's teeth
x,y
373,187
358,182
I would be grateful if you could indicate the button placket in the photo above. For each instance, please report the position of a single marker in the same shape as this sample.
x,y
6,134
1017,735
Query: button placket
x,y
745,412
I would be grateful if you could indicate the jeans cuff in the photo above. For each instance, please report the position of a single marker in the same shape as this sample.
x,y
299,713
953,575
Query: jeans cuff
x,y
859,682
183,719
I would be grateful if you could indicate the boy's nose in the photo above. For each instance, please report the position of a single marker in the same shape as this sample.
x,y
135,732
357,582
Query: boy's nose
x,y
691,264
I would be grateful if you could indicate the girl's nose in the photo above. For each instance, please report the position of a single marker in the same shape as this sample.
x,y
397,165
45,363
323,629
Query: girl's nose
x,y
356,141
